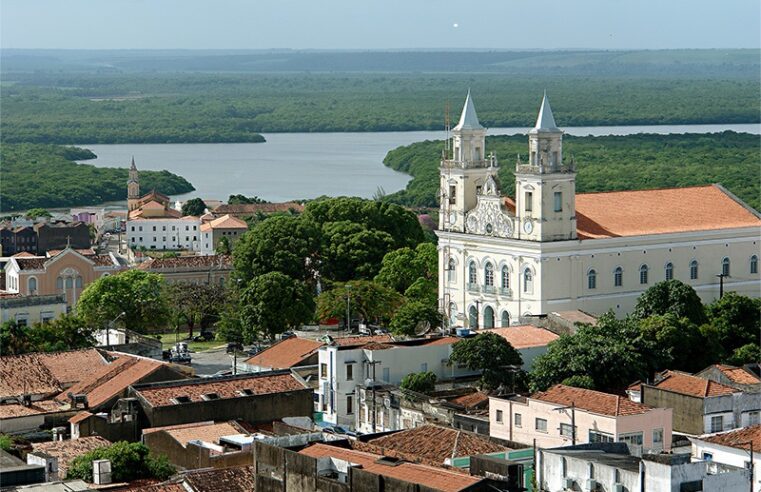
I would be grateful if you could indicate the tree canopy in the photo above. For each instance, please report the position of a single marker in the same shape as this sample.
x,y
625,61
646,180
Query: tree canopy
x,y
129,461
195,207
492,355
671,297
274,302
368,301
67,332
140,295
420,382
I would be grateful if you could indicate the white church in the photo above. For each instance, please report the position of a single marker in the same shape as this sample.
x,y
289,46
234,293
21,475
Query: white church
x,y
550,249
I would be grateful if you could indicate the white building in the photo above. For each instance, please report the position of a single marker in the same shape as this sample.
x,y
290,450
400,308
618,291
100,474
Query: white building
x,y
732,448
164,233
551,249
342,368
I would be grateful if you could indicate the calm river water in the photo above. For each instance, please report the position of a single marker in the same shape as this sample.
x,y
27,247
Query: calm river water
x,y
306,165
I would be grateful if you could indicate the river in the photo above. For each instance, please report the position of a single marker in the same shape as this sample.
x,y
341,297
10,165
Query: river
x,y
306,165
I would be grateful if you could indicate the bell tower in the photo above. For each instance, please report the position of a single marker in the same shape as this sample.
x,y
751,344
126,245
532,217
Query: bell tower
x,y
465,171
545,187
133,187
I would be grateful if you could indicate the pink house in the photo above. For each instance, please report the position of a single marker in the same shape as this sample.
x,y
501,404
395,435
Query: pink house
x,y
547,416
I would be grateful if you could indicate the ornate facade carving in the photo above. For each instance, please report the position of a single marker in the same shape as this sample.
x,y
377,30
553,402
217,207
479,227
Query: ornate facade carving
x,y
489,219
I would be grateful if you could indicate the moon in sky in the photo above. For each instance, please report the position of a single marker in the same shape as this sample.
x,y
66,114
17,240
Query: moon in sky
x,y
455,25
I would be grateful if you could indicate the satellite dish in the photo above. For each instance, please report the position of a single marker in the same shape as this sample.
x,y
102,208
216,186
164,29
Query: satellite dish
x,y
422,328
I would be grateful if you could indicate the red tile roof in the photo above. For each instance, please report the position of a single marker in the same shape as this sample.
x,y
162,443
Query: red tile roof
x,y
71,366
361,340
687,384
195,262
225,222
285,353
66,451
740,438
26,374
80,417
203,432
254,208
738,374
659,211
590,400
471,400
231,479
526,336
259,384
151,430
36,408
436,444
432,477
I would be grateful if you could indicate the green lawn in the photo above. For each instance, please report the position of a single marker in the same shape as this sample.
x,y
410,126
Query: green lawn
x,y
168,341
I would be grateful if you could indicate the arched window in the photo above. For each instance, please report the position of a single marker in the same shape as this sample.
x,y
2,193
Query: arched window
x,y
32,285
754,264
528,281
505,321
669,271
643,274
505,278
489,275
488,317
725,267
472,277
592,279
618,277
450,270
59,283
78,282
694,270
69,282
472,317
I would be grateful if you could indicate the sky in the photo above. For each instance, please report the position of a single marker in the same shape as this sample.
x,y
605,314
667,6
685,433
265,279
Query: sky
x,y
385,24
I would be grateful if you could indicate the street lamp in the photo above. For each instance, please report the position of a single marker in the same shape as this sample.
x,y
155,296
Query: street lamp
x,y
111,325
721,283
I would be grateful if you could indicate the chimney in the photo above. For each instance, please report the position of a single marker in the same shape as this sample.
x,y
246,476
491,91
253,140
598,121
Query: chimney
x,y
101,472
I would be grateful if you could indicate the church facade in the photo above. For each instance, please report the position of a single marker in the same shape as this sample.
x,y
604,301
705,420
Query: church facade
x,y
550,249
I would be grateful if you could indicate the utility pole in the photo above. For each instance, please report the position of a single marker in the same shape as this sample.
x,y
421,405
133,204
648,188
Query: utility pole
x,y
478,312
375,409
572,408
721,284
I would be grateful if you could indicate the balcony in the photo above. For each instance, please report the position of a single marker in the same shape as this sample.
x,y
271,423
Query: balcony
x,y
505,292
489,289
469,164
474,288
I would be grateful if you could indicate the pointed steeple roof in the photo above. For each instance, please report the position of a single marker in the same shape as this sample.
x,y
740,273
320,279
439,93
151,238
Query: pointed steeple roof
x,y
468,118
132,166
545,121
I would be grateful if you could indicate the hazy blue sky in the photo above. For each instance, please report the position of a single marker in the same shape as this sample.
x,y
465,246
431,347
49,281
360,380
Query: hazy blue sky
x,y
502,24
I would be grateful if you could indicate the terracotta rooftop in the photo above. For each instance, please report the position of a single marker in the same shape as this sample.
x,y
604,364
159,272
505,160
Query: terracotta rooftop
x,y
526,336
36,408
225,222
151,430
84,252
590,400
429,476
26,374
162,394
576,316
345,342
659,211
31,263
687,384
24,254
376,346
739,438
80,417
471,400
231,479
197,262
285,353
66,451
738,374
109,381
437,444
71,366
203,432
253,208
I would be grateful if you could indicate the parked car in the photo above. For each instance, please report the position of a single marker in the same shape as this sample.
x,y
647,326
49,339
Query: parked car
x,y
180,354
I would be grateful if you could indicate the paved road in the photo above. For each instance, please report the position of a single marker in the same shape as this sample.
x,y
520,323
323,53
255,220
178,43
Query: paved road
x,y
211,361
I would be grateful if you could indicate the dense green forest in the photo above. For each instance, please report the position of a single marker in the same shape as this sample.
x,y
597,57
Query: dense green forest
x,y
607,163
47,176
83,108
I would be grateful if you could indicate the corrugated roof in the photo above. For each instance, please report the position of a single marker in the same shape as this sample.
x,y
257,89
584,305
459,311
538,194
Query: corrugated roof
x,y
431,477
590,400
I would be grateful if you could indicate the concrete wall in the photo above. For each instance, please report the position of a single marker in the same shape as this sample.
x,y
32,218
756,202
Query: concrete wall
x,y
728,456
164,233
252,409
687,410
193,456
550,473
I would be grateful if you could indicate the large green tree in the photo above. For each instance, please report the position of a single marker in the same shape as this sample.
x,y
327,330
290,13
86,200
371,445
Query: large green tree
x,y
611,353
410,315
195,304
671,297
195,207
492,355
140,295
367,300
129,461
272,303
678,343
352,251
420,382
402,267
282,243
735,320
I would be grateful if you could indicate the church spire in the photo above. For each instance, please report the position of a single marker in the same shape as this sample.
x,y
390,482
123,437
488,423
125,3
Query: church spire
x,y
468,118
132,166
545,121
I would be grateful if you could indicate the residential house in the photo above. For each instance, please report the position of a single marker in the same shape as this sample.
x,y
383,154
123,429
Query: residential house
x,y
742,378
343,368
287,353
429,444
198,270
30,310
201,444
565,415
733,448
213,231
252,398
57,456
700,405
617,467
67,273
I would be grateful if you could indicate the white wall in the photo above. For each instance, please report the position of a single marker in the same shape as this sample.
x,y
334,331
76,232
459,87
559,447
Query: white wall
x,y
181,233
728,456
